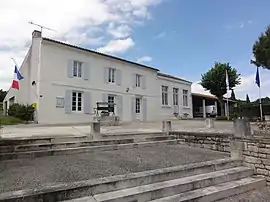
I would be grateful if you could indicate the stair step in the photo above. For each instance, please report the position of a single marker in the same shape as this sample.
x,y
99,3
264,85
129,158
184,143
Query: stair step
x,y
218,192
176,186
65,151
72,144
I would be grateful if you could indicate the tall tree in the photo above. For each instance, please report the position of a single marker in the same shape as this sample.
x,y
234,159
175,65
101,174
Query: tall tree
x,y
247,99
215,81
232,95
261,50
2,95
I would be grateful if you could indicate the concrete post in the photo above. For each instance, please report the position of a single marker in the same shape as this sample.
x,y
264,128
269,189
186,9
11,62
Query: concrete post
x,y
166,127
209,123
241,130
204,110
95,130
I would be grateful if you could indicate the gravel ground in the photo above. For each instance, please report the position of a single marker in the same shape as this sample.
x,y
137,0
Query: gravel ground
x,y
262,195
35,173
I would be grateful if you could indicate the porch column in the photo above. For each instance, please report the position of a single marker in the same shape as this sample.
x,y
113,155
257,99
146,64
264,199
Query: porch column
x,y
216,108
204,110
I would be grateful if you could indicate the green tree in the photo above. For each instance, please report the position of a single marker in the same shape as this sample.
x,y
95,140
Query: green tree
x,y
2,95
215,81
261,50
232,95
247,99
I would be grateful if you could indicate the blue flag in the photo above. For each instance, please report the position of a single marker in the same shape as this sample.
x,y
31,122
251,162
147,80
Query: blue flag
x,y
257,79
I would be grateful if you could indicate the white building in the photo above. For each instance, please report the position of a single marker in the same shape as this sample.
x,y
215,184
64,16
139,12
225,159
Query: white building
x,y
66,81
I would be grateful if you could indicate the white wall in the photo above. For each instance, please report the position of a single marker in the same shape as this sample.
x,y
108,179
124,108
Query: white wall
x,y
167,111
55,82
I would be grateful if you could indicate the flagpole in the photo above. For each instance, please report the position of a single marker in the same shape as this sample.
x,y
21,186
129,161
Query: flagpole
x,y
260,98
228,111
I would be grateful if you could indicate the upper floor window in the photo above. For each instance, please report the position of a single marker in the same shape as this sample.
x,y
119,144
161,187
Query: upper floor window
x,y
175,96
77,69
185,98
138,80
76,101
164,95
112,75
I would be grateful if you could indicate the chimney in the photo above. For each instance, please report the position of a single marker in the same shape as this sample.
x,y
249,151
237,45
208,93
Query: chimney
x,y
36,34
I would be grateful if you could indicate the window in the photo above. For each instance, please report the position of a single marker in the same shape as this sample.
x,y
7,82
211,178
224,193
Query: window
x,y
111,99
175,96
77,69
138,105
77,101
164,95
138,80
111,75
185,98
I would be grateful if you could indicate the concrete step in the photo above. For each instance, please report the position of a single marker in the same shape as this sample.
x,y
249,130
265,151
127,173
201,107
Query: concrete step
x,y
221,191
60,145
65,151
118,182
175,186
73,144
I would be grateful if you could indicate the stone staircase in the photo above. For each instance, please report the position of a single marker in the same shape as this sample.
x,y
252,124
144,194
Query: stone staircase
x,y
51,146
207,181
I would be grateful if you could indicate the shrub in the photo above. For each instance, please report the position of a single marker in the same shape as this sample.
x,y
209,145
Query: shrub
x,y
23,112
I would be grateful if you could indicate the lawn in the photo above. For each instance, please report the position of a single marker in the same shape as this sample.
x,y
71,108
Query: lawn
x,y
9,120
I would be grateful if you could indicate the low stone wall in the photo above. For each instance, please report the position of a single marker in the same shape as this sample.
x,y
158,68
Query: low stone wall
x,y
213,141
256,155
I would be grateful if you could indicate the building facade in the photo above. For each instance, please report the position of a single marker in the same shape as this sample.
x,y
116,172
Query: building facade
x,y
65,82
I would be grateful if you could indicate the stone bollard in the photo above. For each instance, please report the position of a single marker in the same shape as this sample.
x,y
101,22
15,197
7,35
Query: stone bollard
x,y
241,130
166,127
209,123
95,130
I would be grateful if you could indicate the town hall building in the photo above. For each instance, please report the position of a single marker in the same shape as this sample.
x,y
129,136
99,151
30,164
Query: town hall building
x,y
65,82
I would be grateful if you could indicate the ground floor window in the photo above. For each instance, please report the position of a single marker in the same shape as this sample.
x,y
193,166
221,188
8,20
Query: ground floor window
x,y
76,101
138,105
111,99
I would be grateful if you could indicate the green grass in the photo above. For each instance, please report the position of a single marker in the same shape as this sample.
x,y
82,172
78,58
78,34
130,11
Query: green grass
x,y
9,120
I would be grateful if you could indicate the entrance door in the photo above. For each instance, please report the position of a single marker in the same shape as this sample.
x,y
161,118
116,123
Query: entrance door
x,y
138,108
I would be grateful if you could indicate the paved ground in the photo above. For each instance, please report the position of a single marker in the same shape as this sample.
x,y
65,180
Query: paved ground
x,y
38,172
262,195
181,125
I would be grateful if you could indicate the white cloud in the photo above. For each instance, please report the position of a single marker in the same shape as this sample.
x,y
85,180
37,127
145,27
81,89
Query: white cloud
x,y
144,59
120,31
81,22
117,46
247,86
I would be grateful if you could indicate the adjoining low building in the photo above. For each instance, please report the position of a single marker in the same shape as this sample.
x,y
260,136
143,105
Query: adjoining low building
x,y
64,83
204,105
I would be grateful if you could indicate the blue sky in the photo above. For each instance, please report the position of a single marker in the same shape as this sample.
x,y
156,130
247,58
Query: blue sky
x,y
180,37
197,33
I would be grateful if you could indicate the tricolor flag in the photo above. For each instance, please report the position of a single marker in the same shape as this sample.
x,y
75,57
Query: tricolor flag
x,y
17,77
257,78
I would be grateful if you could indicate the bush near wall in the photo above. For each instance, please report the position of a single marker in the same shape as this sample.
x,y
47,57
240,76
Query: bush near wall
x,y
23,112
9,120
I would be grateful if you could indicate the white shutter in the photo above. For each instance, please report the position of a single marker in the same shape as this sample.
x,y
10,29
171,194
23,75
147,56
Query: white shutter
x,y
133,112
144,110
118,77
133,80
104,97
119,105
106,74
87,104
70,68
143,82
67,101
86,71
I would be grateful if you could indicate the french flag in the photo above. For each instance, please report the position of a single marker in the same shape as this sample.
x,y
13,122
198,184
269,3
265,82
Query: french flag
x,y
17,77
